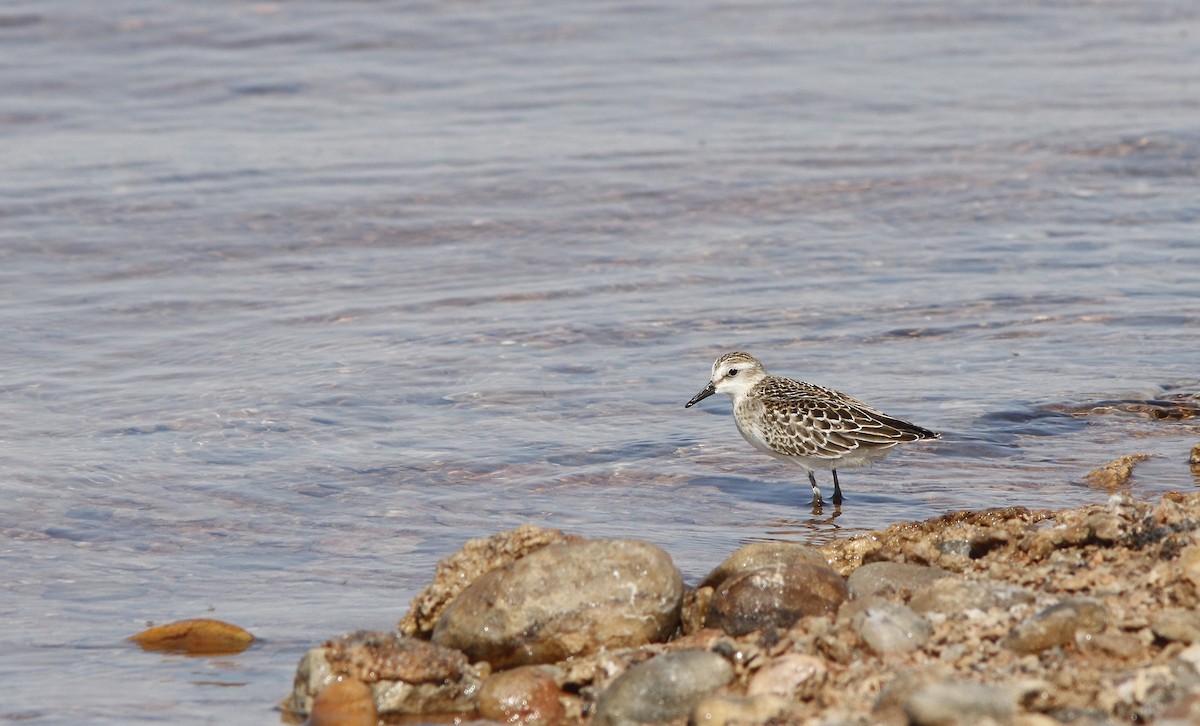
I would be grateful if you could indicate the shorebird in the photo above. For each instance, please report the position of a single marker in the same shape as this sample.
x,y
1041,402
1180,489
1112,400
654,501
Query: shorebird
x,y
809,425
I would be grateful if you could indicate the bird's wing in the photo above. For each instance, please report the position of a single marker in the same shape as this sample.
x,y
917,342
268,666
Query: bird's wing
x,y
808,420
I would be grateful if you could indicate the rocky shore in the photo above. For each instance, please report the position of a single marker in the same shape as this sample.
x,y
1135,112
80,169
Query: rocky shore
x,y
1086,616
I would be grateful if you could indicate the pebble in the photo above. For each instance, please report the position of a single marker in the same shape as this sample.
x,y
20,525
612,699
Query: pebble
x,y
951,595
1182,712
663,688
1189,564
761,554
1081,717
695,609
346,703
775,596
1140,694
959,703
1057,626
791,675
1177,624
959,548
1114,642
733,711
890,627
524,695
891,579
200,636
565,600
1191,656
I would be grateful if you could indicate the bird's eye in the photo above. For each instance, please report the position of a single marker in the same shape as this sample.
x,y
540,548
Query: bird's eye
x,y
732,372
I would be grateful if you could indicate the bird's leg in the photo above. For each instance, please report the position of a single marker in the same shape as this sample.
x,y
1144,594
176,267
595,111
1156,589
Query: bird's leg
x,y
837,489
816,489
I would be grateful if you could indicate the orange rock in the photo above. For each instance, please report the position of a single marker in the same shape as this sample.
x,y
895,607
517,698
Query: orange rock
x,y
346,703
200,636
527,695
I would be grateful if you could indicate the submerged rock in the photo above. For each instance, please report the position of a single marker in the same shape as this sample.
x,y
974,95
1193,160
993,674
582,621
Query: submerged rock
x,y
1115,473
775,597
565,600
663,688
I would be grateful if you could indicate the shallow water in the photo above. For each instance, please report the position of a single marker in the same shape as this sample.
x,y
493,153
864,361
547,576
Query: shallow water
x,y
298,297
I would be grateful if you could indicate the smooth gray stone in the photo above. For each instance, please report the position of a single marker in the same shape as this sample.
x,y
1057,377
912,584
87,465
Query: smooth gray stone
x,y
661,689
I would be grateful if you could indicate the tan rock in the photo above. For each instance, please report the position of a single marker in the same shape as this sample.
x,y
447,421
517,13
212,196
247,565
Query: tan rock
x,y
1177,624
791,675
566,600
695,609
456,572
1115,473
1189,564
737,711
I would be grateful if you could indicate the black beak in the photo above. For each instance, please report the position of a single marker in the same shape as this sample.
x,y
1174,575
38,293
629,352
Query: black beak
x,y
709,390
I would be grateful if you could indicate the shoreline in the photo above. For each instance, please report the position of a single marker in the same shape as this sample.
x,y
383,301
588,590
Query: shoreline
x,y
1087,615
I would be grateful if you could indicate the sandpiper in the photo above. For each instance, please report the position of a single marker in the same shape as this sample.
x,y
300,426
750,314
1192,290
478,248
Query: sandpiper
x,y
815,427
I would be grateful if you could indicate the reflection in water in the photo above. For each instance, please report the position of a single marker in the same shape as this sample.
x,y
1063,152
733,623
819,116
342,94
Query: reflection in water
x,y
816,530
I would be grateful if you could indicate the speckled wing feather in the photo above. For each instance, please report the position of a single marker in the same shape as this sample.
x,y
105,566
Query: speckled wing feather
x,y
811,421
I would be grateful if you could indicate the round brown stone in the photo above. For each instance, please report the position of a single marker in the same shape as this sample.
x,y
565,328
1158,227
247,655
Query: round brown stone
x,y
526,695
775,597
348,702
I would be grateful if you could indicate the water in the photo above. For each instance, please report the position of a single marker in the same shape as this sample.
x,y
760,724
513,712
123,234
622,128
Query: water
x,y
297,297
